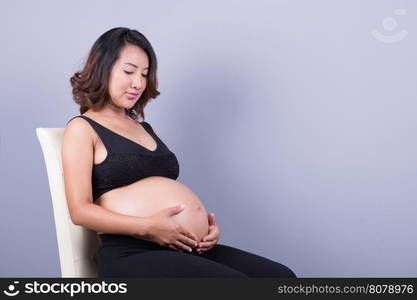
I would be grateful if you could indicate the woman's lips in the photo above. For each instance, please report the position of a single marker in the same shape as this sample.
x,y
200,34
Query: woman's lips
x,y
132,96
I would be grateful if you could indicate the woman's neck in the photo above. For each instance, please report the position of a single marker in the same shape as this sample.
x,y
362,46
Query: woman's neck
x,y
111,112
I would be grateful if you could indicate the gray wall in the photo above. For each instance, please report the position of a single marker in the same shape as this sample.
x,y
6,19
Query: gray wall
x,y
293,123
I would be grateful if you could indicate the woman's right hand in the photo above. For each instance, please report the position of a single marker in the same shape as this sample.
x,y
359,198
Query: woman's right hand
x,y
163,230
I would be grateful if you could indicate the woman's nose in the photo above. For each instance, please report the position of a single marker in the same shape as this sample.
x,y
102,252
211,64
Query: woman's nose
x,y
137,83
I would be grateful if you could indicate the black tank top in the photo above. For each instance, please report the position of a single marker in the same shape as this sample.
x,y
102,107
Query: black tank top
x,y
127,161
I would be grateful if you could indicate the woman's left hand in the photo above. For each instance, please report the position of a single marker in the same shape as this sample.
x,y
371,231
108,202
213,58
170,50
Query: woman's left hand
x,y
213,236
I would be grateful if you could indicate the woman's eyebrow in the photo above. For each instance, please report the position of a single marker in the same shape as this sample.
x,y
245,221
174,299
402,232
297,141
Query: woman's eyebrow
x,y
134,65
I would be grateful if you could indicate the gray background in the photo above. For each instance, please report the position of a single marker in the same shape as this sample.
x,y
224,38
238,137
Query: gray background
x,y
291,122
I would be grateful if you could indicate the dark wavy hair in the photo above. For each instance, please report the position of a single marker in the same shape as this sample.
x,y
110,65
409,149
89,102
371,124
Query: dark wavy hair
x,y
90,85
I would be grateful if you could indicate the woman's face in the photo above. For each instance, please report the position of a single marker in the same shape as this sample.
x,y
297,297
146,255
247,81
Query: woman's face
x,y
127,78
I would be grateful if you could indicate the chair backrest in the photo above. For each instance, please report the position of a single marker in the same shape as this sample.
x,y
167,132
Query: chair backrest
x,y
77,245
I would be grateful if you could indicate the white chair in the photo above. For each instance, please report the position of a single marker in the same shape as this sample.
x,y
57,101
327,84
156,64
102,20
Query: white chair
x,y
77,245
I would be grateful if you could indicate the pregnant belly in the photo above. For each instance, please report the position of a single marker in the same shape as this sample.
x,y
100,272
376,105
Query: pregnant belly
x,y
149,195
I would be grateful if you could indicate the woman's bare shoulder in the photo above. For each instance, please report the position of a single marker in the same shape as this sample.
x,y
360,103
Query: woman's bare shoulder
x,y
79,128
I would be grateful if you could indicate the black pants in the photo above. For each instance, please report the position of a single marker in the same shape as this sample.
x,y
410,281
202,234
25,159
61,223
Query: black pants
x,y
125,256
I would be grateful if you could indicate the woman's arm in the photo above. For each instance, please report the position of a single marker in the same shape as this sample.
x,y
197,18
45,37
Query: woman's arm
x,y
100,219
77,162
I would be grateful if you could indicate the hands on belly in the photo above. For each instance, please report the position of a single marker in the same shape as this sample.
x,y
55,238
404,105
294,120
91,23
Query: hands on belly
x,y
193,219
165,231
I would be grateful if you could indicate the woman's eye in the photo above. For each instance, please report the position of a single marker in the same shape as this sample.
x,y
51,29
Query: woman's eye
x,y
129,73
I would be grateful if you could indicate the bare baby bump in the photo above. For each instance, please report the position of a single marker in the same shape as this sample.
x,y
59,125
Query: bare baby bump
x,y
149,195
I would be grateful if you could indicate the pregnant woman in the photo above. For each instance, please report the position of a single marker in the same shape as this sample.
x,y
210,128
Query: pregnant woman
x,y
120,178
